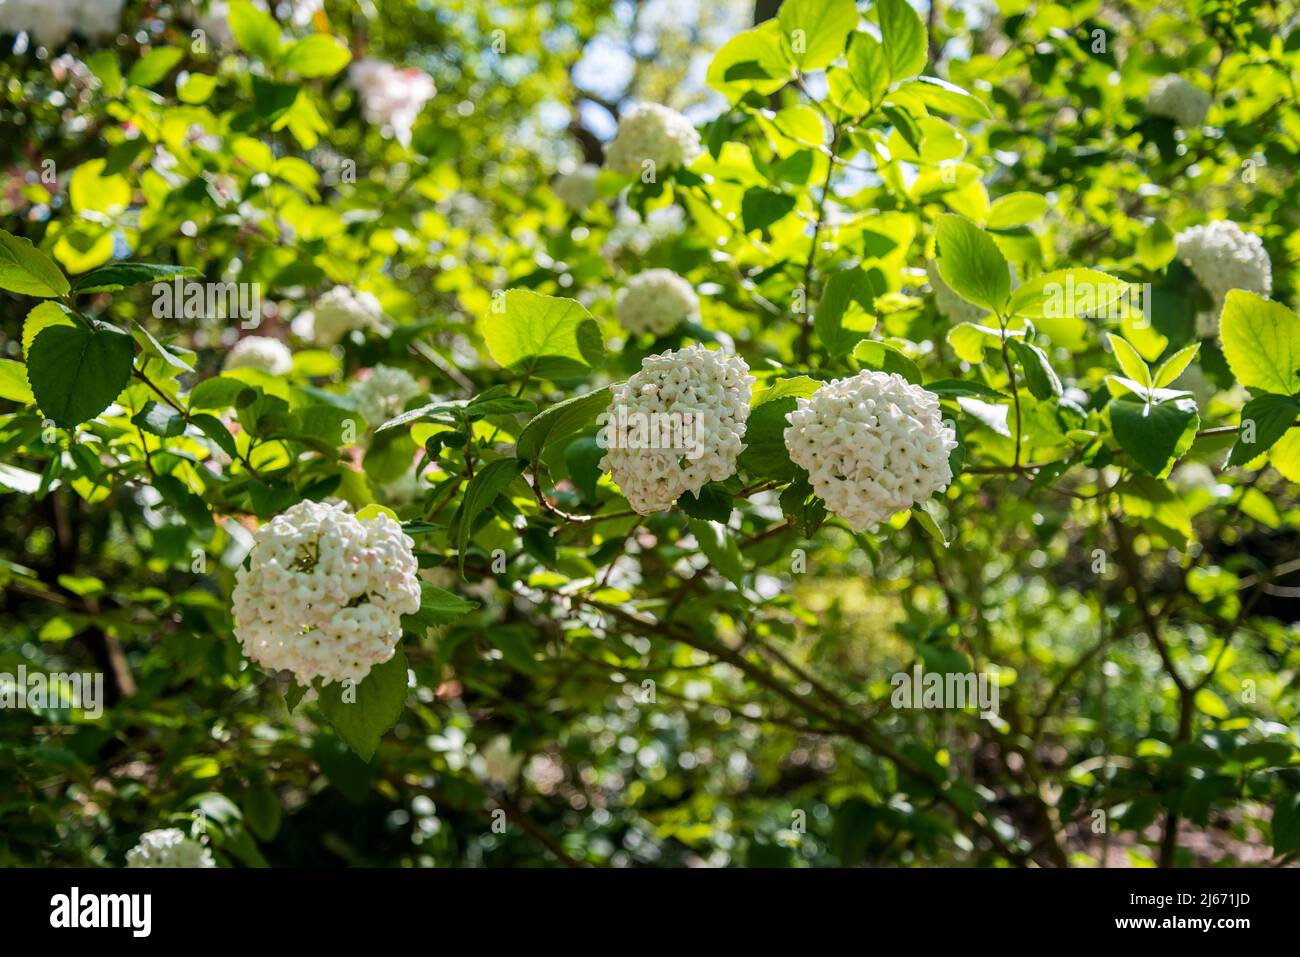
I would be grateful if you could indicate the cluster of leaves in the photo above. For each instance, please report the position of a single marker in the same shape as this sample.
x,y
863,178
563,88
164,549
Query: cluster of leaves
x,y
686,685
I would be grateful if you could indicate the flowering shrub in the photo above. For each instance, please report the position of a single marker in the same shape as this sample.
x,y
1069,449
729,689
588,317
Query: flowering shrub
x,y
716,374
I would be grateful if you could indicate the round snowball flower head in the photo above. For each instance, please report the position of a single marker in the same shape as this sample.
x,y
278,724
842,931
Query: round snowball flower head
x,y
323,593
1222,256
676,425
656,301
873,444
1179,100
577,190
383,394
652,133
391,98
341,310
260,352
168,847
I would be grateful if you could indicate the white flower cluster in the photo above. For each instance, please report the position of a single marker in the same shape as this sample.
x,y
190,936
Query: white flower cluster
x,y
324,592
391,98
713,388
383,394
1223,257
500,764
652,132
341,310
168,847
51,22
872,444
260,352
632,237
950,305
1179,100
577,190
656,301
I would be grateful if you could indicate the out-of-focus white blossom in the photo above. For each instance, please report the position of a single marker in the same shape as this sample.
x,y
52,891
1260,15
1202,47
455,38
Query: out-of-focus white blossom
x,y
1222,256
168,847
391,98
383,394
649,131
872,444
634,237
676,425
51,22
338,312
656,301
500,764
1179,100
323,593
260,352
577,190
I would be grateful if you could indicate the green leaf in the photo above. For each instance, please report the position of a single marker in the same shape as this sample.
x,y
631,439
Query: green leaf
x,y
842,289
1154,436
760,207
934,94
25,269
869,67
120,275
1264,420
1285,455
188,505
76,373
714,503
1039,374
884,357
1173,367
1261,340
752,60
559,421
317,55
361,713
925,518
1286,824
255,31
159,419
1132,364
218,392
197,88
1015,209
952,388
13,382
971,263
437,607
488,482
1156,247
903,34
154,66
719,545
765,455
813,32
1066,293
802,508
542,335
